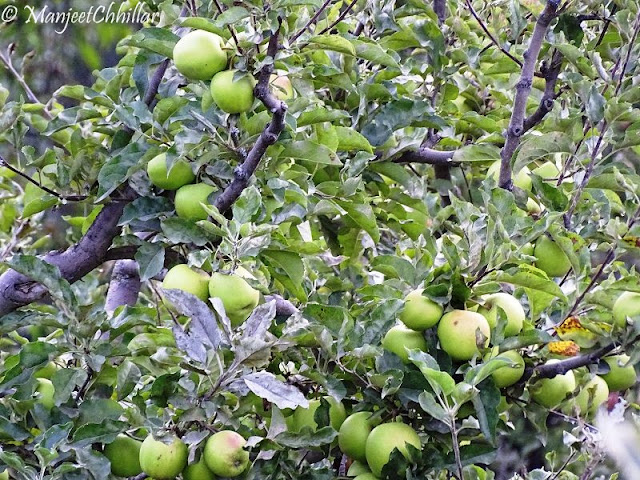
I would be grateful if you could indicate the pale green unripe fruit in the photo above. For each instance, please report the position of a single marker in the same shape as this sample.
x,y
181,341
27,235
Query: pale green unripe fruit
x,y
619,377
179,175
45,392
352,438
458,333
550,392
400,337
366,476
305,417
162,461
626,305
384,439
521,180
198,471
4,475
512,308
182,277
199,55
599,394
419,312
547,171
189,199
508,375
124,455
238,297
550,257
358,468
224,454
281,87
230,96
4,94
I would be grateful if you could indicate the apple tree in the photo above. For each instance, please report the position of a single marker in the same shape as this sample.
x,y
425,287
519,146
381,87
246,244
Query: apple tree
x,y
322,239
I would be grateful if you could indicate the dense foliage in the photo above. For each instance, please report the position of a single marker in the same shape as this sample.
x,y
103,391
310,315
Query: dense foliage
x,y
396,161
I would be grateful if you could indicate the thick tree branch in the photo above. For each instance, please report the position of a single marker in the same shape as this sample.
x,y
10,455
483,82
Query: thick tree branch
x,y
124,285
74,263
428,156
516,125
269,136
550,370
284,307
440,9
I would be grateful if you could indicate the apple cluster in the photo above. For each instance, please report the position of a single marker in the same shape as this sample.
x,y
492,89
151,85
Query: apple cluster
x,y
223,455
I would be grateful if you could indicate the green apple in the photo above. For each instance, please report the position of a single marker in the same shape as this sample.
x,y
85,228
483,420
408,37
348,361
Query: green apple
x,y
4,475
592,395
182,277
384,439
626,305
399,338
47,371
366,476
358,468
124,455
179,175
281,87
511,307
508,375
232,96
189,199
550,392
547,171
163,461
620,376
550,258
45,392
522,178
238,297
419,312
353,434
224,454
198,471
458,333
4,94
199,55
305,417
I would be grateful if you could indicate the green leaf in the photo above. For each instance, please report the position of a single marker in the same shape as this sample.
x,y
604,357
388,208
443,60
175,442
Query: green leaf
x,y
150,258
362,214
429,404
333,42
200,23
118,168
523,277
320,115
350,140
311,152
158,40
477,153
267,386
289,262
179,230
486,406
537,147
374,53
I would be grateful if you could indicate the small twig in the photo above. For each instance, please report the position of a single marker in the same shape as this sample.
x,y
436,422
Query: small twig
x,y
311,21
155,81
5,58
14,239
490,35
344,13
69,198
233,32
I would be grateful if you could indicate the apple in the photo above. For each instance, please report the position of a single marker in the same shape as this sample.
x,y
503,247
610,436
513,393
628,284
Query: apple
x,y
384,439
163,461
281,87
182,277
352,437
592,395
4,94
45,392
199,55
366,476
419,312
47,371
358,468
550,258
619,377
238,297
124,455
550,392
547,171
232,96
189,198
508,375
179,175
512,308
626,305
458,333
198,471
521,180
224,454
4,475
305,417
400,337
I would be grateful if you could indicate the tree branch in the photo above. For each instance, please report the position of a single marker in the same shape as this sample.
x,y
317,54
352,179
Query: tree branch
x,y
428,156
440,9
74,263
516,125
311,21
548,98
344,13
269,136
284,307
124,285
550,370
5,58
